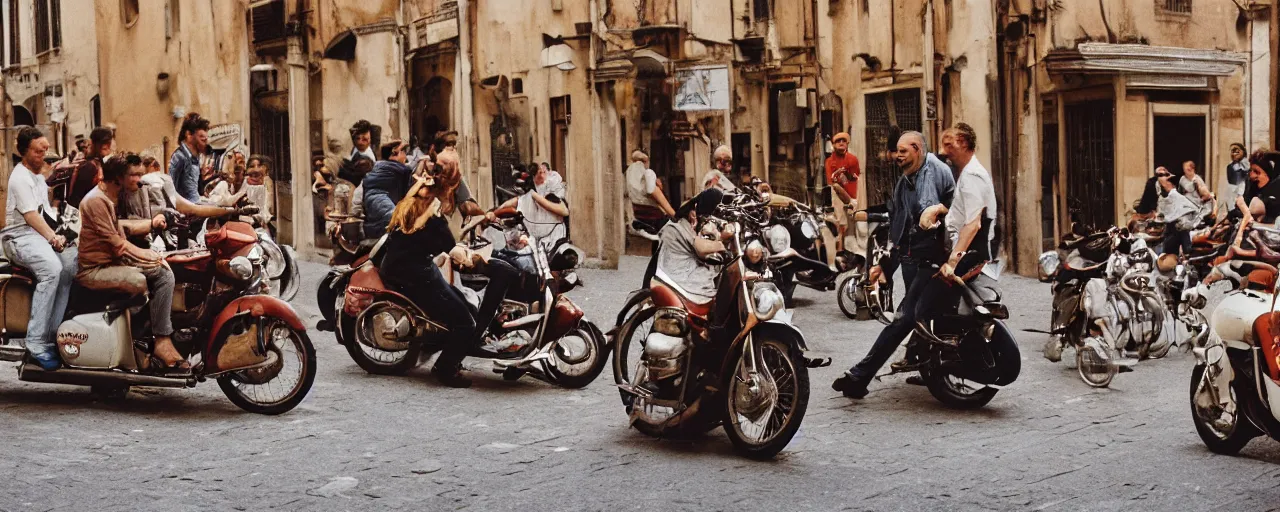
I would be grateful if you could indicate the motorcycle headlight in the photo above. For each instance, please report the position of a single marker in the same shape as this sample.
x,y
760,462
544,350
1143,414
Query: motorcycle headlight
x,y
778,237
809,229
1049,264
671,322
241,267
754,252
768,300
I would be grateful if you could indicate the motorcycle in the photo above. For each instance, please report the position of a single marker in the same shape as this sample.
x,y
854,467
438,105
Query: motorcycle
x,y
254,345
966,354
857,297
815,264
280,262
546,336
1103,309
683,366
1236,380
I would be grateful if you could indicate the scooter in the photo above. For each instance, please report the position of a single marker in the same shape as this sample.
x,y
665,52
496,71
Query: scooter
x,y
857,297
254,345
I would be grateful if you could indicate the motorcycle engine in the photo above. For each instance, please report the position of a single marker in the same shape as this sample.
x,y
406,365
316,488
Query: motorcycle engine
x,y
663,355
385,326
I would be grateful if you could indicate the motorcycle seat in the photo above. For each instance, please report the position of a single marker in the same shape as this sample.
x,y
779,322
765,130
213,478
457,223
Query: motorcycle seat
x,y
984,288
86,300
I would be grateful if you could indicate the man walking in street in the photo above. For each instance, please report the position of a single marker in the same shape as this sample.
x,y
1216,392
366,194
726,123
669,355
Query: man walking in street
x,y
722,162
921,195
842,176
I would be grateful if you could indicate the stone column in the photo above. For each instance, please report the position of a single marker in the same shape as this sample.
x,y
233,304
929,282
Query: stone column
x,y
300,151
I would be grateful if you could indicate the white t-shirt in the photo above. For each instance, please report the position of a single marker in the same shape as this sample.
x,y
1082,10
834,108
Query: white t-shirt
x,y
974,192
27,193
725,184
640,183
545,227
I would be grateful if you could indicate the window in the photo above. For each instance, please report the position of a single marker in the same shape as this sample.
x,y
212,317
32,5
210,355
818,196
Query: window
x,y
517,86
15,48
129,12
171,19
95,110
1178,6
48,27
761,9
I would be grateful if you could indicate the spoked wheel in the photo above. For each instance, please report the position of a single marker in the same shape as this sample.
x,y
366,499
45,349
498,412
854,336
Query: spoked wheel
x,y
1224,428
766,399
846,296
628,353
957,393
579,357
1094,362
1150,325
279,387
882,303
359,335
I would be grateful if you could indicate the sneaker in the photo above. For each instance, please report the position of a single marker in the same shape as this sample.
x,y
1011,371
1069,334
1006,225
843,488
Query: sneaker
x,y
915,380
47,361
849,387
452,378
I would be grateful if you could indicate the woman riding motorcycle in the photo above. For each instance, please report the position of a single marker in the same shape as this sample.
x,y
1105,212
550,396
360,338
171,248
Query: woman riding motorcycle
x,y
419,231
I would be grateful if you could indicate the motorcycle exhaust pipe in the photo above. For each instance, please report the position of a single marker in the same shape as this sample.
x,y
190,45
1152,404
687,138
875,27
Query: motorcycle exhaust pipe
x,y
77,377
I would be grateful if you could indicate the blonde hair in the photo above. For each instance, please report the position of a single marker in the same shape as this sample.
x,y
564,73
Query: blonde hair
x,y
413,212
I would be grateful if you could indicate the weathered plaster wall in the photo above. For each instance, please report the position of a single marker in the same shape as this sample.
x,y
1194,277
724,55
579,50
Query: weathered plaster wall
x,y
369,86
74,65
971,50
207,63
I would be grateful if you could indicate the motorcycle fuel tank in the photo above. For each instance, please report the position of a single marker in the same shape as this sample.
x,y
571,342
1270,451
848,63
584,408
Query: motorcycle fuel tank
x,y
1233,318
91,341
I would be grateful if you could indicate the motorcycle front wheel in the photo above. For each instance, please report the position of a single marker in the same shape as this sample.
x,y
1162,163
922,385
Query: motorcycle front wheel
x,y
278,388
845,297
1231,432
579,357
1093,362
764,408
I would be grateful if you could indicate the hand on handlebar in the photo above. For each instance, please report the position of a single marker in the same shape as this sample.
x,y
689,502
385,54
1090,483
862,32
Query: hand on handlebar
x,y
247,210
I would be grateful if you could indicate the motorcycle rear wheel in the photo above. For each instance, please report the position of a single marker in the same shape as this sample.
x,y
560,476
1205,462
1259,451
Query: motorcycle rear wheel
x,y
956,393
788,375
300,352
1223,443
845,297
579,375
372,360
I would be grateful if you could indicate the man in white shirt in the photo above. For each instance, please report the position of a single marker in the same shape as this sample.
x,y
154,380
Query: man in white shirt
x,y
971,218
649,203
31,243
722,162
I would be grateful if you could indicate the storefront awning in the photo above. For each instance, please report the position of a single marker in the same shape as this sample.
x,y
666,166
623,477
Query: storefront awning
x,y
1106,58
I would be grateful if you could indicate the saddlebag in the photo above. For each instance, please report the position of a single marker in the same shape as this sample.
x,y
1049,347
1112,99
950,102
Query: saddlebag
x,y
98,340
16,306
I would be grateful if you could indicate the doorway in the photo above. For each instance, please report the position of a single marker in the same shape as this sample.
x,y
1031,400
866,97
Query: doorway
x,y
1177,139
560,115
1091,163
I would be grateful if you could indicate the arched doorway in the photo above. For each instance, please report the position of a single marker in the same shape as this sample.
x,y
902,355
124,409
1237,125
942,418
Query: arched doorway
x,y
22,116
429,108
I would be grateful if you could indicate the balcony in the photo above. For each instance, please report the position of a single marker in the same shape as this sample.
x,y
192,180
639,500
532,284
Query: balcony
x,y
270,27
438,24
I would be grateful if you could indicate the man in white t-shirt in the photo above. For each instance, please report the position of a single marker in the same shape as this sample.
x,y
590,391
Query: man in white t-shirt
x,y
971,218
649,205
31,243
722,162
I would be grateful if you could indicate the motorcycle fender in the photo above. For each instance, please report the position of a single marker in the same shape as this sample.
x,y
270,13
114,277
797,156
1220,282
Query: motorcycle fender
x,y
564,317
1009,360
781,329
256,305
633,300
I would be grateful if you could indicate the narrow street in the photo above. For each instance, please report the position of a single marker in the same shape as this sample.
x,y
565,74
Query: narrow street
x,y
361,442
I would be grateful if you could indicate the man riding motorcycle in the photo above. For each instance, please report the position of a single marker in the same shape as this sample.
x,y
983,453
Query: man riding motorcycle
x,y
385,186
686,244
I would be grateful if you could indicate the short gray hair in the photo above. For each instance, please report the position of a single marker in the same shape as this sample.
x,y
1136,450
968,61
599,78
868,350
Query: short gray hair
x,y
722,150
919,137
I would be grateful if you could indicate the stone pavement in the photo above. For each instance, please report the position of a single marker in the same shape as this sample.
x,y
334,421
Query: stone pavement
x,y
361,442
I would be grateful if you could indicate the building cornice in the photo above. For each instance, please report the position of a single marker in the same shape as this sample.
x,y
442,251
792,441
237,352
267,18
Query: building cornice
x,y
1136,58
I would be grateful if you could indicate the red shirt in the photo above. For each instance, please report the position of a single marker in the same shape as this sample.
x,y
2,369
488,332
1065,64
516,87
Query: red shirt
x,y
844,172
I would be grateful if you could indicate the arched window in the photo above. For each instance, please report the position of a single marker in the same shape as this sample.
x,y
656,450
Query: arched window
x,y
129,12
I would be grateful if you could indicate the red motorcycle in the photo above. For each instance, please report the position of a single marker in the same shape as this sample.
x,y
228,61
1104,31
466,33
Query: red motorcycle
x,y
253,344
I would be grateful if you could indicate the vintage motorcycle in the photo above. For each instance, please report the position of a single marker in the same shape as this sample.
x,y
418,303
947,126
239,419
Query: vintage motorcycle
x,y
684,366
1236,379
966,354
857,297
280,262
545,335
815,264
254,345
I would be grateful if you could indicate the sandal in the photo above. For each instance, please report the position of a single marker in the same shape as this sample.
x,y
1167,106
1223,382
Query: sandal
x,y
179,369
817,362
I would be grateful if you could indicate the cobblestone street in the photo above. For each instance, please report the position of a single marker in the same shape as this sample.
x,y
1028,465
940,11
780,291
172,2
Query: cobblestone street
x,y
362,442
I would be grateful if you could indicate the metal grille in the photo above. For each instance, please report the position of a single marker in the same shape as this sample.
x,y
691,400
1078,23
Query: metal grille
x,y
15,49
505,154
268,22
1048,176
271,138
888,115
1178,6
1091,162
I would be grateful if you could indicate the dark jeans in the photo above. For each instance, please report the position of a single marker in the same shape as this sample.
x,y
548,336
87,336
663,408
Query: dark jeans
x,y
926,297
1175,239
426,287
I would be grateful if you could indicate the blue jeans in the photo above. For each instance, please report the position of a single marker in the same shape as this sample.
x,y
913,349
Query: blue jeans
x,y
54,272
904,321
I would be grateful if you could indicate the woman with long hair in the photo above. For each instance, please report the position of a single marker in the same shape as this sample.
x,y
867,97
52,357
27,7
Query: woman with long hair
x,y
418,232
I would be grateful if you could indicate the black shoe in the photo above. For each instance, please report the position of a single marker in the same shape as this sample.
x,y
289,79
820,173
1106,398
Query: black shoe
x,y
451,377
850,388
915,380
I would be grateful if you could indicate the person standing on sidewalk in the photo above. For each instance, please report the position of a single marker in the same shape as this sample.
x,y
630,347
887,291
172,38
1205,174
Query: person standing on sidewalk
x,y
842,175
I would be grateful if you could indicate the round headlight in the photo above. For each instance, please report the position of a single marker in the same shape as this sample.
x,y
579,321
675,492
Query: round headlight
x,y
241,267
1049,263
809,229
768,300
778,237
754,252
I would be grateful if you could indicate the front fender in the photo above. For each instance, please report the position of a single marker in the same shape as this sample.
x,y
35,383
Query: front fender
x,y
633,300
1007,357
782,328
254,305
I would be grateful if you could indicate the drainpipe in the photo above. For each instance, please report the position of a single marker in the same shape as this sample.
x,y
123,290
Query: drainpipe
x,y
927,63
300,155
